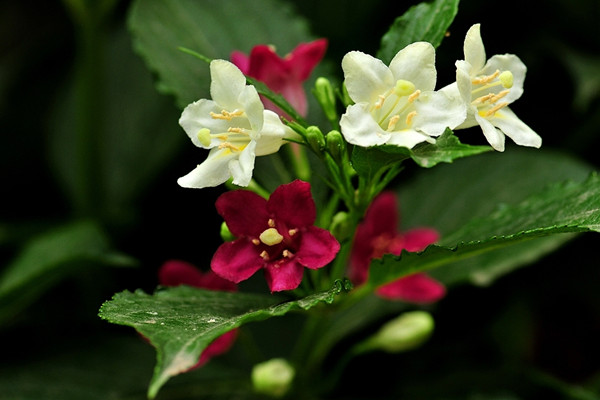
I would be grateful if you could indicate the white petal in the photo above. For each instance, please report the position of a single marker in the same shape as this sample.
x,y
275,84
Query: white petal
x,y
512,63
196,116
516,129
494,137
463,80
359,128
416,63
474,49
227,82
272,134
249,101
437,111
366,77
408,138
241,167
212,172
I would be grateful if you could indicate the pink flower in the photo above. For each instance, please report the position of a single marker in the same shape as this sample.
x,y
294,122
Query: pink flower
x,y
378,235
276,235
282,75
175,273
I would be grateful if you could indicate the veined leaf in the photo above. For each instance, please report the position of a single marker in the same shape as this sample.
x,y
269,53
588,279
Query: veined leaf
x,y
423,22
180,322
568,207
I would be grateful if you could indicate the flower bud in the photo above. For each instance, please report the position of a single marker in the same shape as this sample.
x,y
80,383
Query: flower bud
x,y
226,234
326,97
336,145
315,139
403,333
341,226
273,377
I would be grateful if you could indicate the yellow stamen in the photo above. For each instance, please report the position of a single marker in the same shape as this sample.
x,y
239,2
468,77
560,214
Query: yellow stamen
x,y
499,96
410,117
414,96
483,99
255,242
237,130
379,102
271,237
485,79
287,254
264,255
226,115
392,123
271,223
495,109
292,232
227,145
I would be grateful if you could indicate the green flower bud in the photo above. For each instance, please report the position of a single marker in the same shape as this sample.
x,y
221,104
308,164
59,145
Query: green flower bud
x,y
273,377
403,333
326,97
341,226
336,145
226,234
315,139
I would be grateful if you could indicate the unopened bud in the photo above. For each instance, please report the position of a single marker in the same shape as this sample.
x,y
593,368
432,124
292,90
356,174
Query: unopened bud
x,y
403,333
326,97
341,226
273,377
226,234
315,139
336,145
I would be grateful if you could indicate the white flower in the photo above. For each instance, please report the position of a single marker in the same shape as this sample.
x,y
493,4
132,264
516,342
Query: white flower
x,y
487,88
234,125
396,104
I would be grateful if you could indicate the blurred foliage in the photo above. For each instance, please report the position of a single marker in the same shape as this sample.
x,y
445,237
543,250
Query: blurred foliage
x,y
88,134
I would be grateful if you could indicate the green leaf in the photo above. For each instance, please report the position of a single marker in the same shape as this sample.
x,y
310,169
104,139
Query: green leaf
x,y
427,21
180,322
447,148
561,208
48,258
212,28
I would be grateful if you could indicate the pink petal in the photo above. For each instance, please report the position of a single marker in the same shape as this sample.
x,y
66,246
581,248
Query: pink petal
x,y
244,211
219,346
268,67
236,261
294,93
177,272
419,239
382,215
241,61
416,288
293,204
305,57
318,248
284,276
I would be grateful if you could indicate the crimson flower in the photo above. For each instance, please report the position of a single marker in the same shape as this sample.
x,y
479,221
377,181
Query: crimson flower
x,y
276,235
175,273
282,75
377,235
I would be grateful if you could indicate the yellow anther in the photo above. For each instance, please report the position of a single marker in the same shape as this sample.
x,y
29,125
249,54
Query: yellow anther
x,y
292,232
392,123
204,137
485,79
403,88
271,237
414,96
495,109
507,79
409,117
264,255
226,115
255,242
287,254
380,102
227,145
483,99
271,223
499,96
237,130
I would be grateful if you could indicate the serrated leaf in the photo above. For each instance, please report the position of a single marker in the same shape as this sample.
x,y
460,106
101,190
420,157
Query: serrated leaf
x,y
562,208
180,322
212,28
427,21
447,148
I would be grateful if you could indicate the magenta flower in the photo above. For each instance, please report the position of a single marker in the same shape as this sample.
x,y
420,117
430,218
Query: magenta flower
x,y
175,273
282,75
378,235
276,235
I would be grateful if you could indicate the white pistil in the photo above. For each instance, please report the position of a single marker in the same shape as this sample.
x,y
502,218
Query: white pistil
x,y
271,237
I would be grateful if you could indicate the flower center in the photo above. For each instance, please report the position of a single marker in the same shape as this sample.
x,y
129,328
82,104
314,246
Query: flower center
x,y
235,138
394,111
497,86
275,246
